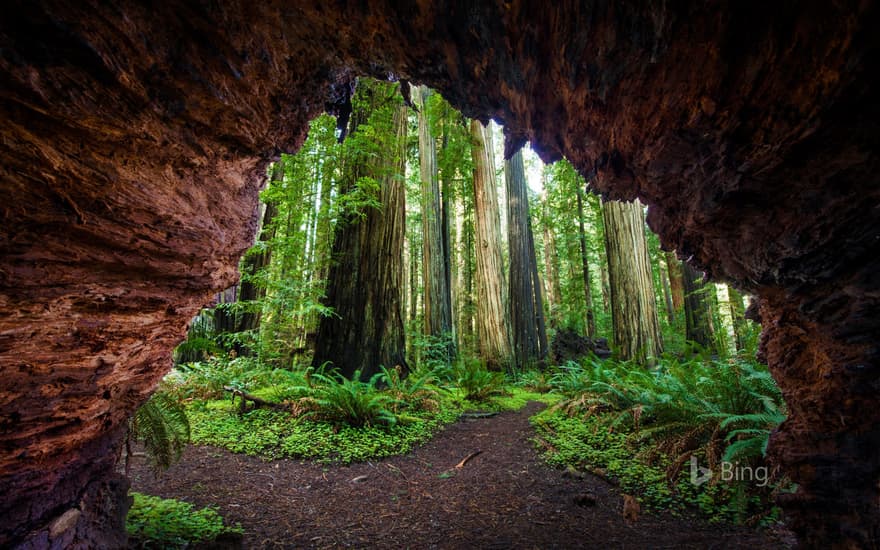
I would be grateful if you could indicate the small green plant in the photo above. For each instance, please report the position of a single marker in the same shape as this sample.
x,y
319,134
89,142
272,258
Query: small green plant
x,y
161,424
155,522
334,398
477,382
417,391
716,410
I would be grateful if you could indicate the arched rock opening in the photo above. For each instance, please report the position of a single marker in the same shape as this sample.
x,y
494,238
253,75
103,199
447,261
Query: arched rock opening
x,y
135,137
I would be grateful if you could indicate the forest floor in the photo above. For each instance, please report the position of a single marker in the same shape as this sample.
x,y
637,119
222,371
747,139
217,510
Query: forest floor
x,y
504,497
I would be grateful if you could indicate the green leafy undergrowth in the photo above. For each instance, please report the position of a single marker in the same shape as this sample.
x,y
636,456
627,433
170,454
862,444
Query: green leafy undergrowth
x,y
155,522
644,427
278,434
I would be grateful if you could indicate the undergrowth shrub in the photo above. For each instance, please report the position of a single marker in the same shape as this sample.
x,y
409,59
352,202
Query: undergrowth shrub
x,y
476,382
716,411
158,523
336,399
162,426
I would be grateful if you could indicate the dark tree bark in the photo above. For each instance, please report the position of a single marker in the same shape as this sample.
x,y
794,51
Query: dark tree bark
x,y
738,314
526,307
551,267
633,309
582,236
437,295
698,313
676,285
366,279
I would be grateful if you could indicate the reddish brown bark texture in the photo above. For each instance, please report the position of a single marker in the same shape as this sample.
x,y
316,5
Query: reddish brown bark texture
x,y
135,139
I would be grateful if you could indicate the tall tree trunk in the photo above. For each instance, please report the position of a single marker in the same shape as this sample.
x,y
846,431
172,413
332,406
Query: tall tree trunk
x,y
667,293
466,276
365,282
676,285
493,339
738,314
438,301
633,309
526,307
588,297
551,263
698,315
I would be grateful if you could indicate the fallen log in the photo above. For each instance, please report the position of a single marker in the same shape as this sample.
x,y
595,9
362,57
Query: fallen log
x,y
258,402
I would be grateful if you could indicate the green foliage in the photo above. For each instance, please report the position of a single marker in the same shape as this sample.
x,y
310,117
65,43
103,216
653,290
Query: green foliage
x,y
476,382
162,426
275,434
418,391
338,400
160,523
716,411
206,379
200,343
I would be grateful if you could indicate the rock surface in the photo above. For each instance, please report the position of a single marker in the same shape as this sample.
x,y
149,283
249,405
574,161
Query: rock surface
x,y
135,140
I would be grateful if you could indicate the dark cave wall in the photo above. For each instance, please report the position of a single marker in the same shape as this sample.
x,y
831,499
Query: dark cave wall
x,y
135,140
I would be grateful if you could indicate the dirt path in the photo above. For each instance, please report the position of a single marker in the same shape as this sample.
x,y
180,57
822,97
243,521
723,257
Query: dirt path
x,y
505,497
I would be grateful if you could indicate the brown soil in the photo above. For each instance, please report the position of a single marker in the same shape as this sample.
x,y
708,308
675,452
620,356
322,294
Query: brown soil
x,y
505,497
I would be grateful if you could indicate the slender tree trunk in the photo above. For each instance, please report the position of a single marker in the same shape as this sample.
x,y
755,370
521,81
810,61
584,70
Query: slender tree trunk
x,y
633,308
698,315
437,302
590,317
466,275
551,263
526,307
738,314
493,339
667,293
676,285
366,282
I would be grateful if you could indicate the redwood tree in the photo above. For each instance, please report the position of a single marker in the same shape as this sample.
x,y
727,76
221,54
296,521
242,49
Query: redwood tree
x,y
493,338
365,279
525,304
435,227
633,308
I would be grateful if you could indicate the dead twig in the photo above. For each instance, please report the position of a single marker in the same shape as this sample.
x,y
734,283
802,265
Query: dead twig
x,y
465,460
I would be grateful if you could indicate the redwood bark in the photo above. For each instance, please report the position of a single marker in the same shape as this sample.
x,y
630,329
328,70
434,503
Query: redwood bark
x,y
585,264
698,313
493,338
437,295
365,283
633,308
529,340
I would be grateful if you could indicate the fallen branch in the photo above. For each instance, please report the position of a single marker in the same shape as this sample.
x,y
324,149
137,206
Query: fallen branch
x,y
477,414
464,461
258,402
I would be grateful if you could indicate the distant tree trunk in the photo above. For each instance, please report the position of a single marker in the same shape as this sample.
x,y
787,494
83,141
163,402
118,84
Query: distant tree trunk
x,y
466,276
633,308
667,293
526,307
493,338
676,285
437,301
698,315
551,263
365,283
738,314
246,292
582,236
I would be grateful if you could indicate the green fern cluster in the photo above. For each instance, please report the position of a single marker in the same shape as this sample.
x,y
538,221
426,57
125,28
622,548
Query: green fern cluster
x,y
161,424
716,410
334,398
476,382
